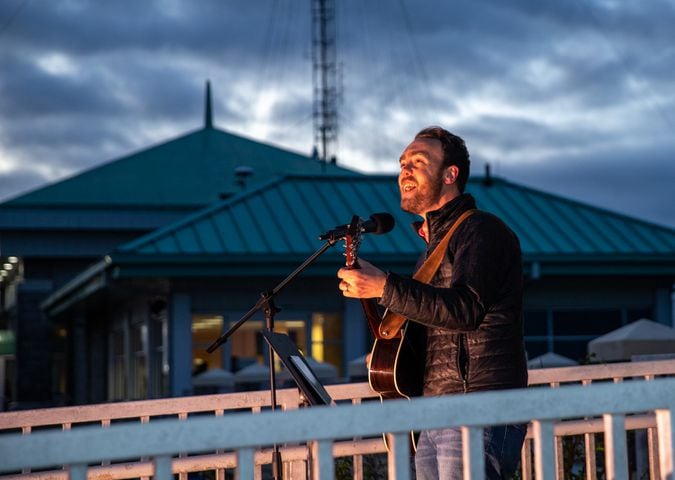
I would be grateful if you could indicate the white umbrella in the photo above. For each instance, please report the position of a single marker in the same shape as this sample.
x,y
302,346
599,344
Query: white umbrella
x,y
215,377
638,338
550,360
254,373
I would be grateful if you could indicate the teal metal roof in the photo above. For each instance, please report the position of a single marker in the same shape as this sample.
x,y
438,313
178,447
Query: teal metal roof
x,y
191,171
280,221
273,228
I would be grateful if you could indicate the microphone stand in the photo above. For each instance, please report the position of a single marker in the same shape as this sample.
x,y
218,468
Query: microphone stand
x,y
266,303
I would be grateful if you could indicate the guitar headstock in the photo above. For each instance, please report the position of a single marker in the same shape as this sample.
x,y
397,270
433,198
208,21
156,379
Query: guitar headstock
x,y
353,242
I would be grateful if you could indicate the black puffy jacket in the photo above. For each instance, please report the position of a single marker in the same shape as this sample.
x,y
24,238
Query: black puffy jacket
x,y
472,308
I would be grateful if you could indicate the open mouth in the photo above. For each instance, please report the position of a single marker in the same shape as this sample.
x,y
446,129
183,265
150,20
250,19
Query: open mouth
x,y
408,186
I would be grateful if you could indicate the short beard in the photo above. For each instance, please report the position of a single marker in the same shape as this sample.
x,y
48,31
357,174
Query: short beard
x,y
423,200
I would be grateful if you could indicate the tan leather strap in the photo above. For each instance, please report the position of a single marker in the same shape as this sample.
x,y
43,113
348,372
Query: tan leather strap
x,y
392,322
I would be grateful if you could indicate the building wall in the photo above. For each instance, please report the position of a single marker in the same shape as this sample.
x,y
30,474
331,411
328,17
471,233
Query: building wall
x,y
156,364
34,341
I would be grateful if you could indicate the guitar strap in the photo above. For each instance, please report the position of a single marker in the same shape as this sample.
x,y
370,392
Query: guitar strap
x,y
392,322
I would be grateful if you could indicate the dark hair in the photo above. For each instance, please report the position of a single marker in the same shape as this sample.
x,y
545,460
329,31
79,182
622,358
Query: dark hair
x,y
454,152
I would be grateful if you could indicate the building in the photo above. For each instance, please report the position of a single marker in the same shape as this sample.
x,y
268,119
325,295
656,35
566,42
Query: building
x,y
127,272
55,232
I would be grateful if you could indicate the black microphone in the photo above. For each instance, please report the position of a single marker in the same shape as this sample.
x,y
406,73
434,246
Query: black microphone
x,y
378,223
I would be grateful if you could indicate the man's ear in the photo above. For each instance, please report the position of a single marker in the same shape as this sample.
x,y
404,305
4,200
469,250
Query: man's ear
x,y
450,175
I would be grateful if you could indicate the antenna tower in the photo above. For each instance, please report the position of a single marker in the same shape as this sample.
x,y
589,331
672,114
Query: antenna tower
x,y
324,76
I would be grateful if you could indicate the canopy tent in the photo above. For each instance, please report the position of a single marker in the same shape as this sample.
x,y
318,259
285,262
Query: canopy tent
x,y
638,338
253,374
215,377
550,360
214,380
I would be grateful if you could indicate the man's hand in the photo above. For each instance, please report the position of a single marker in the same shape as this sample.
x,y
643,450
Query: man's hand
x,y
365,282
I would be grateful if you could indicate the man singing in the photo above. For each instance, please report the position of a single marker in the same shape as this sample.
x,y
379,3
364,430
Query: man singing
x,y
471,309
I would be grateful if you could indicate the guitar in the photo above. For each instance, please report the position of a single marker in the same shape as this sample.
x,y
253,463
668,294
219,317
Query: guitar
x,y
396,367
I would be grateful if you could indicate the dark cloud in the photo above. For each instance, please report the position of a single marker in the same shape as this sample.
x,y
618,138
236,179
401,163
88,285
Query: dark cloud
x,y
551,93
636,182
91,27
29,91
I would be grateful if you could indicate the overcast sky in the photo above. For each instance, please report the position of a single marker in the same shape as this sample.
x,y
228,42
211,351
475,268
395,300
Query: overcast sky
x,y
574,97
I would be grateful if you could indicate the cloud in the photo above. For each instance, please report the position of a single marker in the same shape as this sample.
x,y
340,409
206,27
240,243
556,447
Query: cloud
x,y
553,94
621,180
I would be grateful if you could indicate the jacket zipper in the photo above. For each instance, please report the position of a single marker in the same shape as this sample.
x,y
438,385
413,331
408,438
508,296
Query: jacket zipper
x,y
463,361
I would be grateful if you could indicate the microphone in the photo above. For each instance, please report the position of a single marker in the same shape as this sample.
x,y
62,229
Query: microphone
x,y
378,223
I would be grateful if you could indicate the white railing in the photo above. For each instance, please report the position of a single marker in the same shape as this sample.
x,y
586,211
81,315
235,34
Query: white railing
x,y
643,425
296,454
243,433
145,411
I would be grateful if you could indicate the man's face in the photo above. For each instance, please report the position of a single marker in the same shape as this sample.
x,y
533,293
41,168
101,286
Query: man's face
x,y
420,179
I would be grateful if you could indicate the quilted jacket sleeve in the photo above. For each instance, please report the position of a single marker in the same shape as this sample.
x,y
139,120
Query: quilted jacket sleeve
x,y
481,253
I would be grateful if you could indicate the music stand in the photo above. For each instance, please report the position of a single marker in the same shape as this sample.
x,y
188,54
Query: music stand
x,y
295,363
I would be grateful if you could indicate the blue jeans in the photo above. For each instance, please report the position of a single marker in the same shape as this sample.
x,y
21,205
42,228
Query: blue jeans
x,y
439,453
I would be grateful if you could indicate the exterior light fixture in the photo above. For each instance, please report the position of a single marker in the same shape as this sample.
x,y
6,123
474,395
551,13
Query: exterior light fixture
x,y
13,259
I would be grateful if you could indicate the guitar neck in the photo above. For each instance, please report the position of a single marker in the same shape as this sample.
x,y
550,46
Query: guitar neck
x,y
352,242
372,315
370,308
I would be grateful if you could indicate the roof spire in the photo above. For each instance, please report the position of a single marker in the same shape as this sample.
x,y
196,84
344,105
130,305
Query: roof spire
x,y
208,109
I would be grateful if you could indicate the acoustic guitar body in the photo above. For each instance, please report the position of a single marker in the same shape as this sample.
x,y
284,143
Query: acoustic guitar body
x,y
396,367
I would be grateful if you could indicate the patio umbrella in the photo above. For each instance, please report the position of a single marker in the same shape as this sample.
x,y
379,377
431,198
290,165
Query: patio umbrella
x,y
215,377
638,338
255,373
550,360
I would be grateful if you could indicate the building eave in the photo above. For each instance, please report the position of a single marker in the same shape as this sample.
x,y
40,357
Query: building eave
x,y
90,281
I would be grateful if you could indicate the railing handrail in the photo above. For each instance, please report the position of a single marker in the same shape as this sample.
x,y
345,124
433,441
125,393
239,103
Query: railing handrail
x,y
604,371
165,438
289,398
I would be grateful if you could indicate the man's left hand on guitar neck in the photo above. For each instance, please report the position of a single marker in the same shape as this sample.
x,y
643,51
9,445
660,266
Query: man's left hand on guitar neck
x,y
364,282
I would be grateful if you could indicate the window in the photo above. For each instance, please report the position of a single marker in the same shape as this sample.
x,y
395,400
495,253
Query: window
x,y
585,322
139,367
117,386
537,337
536,323
205,329
567,331
247,345
59,363
159,358
327,338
